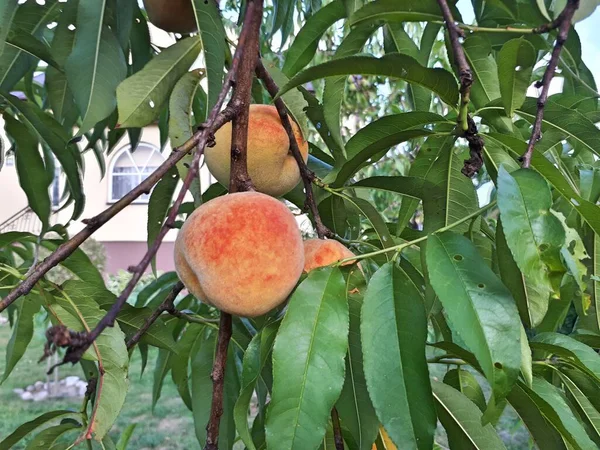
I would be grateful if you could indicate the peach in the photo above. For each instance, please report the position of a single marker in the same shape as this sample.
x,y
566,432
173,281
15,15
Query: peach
x,y
241,253
271,165
176,16
323,252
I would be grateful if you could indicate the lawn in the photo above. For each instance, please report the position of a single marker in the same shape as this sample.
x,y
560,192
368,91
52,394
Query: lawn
x,y
170,426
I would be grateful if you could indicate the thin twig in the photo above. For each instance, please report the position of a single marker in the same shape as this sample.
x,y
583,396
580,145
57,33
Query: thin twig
x,y
307,175
166,305
564,23
218,378
465,123
189,317
465,75
337,430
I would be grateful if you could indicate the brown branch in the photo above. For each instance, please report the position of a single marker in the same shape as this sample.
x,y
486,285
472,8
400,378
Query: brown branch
x,y
218,378
239,181
337,430
307,175
465,75
564,23
465,123
166,305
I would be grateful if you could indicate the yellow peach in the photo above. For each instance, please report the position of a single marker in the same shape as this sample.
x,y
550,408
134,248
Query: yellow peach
x,y
322,252
241,253
271,165
176,16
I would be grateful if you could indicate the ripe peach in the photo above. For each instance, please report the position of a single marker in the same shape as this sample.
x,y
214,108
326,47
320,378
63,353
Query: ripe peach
x,y
176,16
271,165
241,253
320,252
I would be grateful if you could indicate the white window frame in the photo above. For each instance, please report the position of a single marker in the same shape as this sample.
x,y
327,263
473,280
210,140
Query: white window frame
x,y
113,161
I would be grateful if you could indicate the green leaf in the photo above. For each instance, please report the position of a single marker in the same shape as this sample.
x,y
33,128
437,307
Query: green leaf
x,y
526,359
532,302
354,405
125,436
394,331
486,86
27,43
465,383
50,133
555,409
378,136
533,235
30,169
391,10
305,44
370,212
213,44
294,100
542,431
132,319
181,113
27,308
28,427
31,18
333,92
255,358
564,345
162,367
452,192
142,96
180,361
158,206
7,13
202,362
79,312
586,410
392,65
570,122
463,421
96,65
308,362
479,307
47,437
516,147
515,65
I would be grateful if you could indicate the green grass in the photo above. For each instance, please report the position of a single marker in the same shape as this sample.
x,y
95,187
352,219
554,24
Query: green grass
x,y
170,426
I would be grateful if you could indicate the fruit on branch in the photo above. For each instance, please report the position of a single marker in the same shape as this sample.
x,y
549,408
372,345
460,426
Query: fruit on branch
x,y
241,253
176,16
271,165
322,252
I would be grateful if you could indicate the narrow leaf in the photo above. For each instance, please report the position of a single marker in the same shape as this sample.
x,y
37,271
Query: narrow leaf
x,y
515,65
308,362
142,96
28,427
479,307
391,10
393,332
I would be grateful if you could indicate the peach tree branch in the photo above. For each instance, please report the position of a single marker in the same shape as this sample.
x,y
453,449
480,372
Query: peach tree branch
x,y
563,22
308,176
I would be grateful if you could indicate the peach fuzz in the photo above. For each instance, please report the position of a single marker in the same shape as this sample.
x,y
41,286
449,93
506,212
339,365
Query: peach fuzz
x,y
241,253
271,165
321,252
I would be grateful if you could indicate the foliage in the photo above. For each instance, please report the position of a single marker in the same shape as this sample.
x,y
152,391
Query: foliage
x,y
508,292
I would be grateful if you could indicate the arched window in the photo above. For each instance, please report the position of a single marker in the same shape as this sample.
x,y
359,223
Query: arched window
x,y
130,169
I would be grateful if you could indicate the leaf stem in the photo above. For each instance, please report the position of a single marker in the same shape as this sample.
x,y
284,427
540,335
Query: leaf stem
x,y
398,248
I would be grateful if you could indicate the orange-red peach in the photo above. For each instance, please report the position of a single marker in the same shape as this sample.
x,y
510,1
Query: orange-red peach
x,y
271,165
176,16
241,253
321,252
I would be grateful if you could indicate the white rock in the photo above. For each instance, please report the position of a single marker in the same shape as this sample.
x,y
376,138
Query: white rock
x,y
30,388
26,396
18,391
71,381
38,385
39,396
